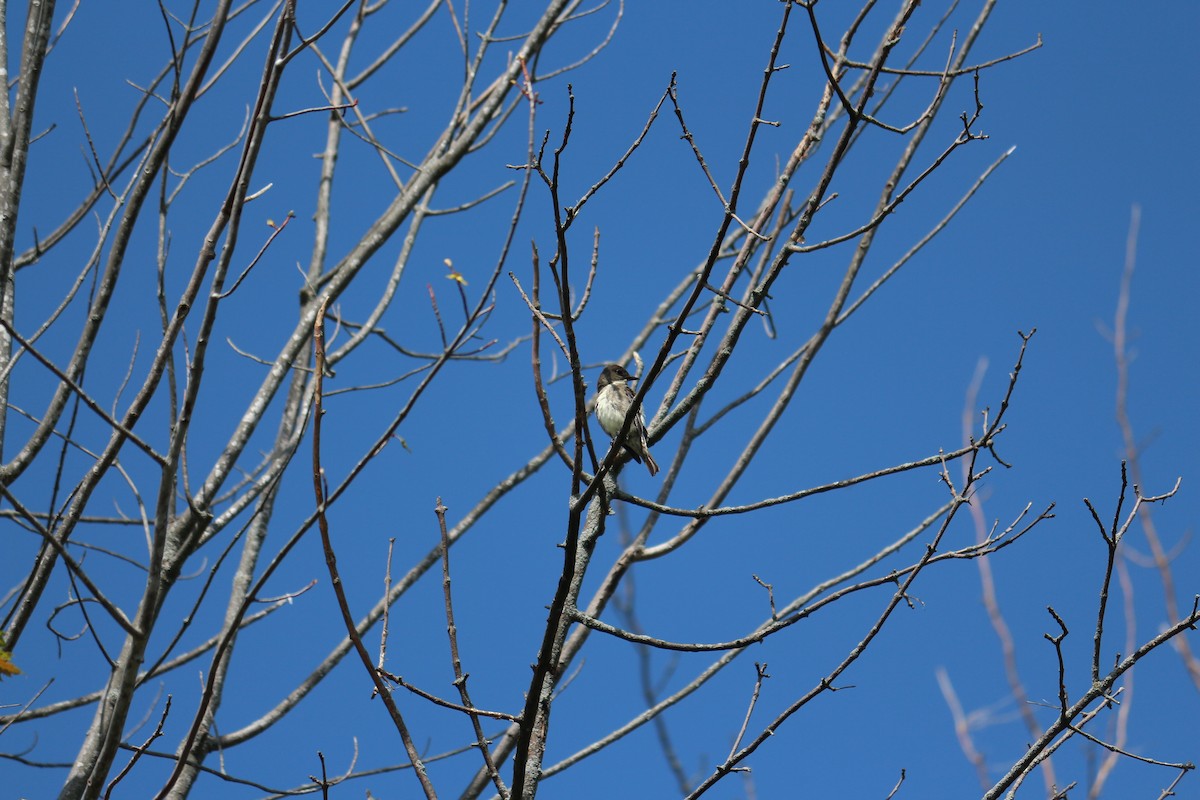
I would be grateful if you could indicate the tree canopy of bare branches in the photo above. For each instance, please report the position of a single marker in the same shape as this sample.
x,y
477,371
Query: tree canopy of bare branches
x,y
302,308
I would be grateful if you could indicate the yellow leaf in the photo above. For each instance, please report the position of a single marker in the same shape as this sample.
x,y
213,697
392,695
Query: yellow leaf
x,y
454,275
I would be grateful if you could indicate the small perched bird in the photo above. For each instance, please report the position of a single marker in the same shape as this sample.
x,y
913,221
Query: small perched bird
x,y
613,399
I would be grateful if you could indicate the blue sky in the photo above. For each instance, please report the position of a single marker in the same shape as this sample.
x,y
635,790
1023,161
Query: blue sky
x,y
1101,116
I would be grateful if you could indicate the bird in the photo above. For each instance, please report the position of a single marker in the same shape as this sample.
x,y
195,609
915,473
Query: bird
x,y
613,399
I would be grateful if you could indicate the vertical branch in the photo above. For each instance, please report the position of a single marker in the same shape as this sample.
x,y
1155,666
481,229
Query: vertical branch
x,y
460,677
335,578
15,125
1120,341
1123,711
962,727
535,719
991,603
1111,540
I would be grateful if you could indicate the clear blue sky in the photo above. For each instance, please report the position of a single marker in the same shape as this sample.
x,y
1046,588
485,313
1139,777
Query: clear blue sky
x,y
1102,118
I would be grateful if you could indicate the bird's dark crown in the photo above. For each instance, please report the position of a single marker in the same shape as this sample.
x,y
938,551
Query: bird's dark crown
x,y
612,373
